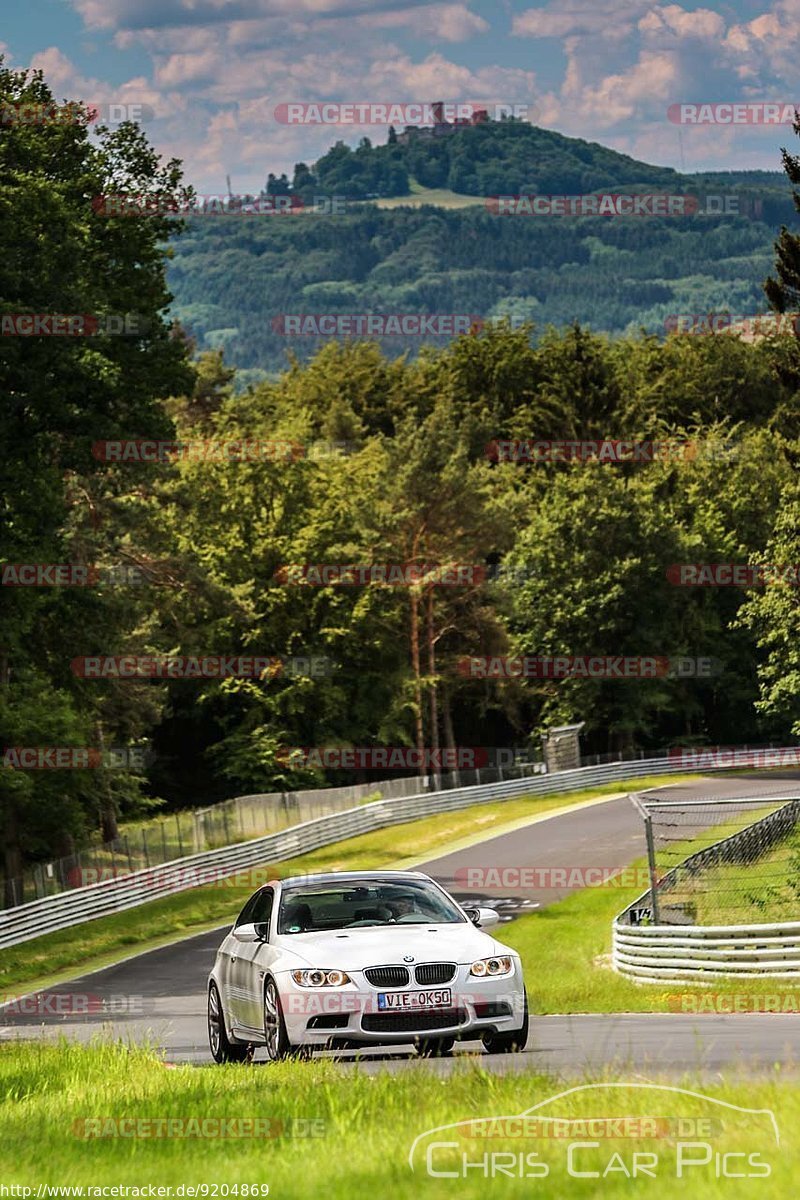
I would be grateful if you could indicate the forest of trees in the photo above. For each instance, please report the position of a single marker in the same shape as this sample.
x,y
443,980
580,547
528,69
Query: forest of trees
x,y
232,277
406,478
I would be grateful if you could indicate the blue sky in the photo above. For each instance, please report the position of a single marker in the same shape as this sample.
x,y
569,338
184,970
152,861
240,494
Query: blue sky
x,y
212,71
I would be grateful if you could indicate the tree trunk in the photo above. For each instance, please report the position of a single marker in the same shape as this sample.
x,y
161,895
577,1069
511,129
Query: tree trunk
x,y
433,697
108,810
12,859
420,735
449,736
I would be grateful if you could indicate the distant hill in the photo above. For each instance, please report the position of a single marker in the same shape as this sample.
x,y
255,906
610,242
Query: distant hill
x,y
436,249
500,157
505,156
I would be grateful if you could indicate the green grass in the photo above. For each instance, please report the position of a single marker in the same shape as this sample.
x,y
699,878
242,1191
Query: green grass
x,y
93,944
750,894
441,197
365,1126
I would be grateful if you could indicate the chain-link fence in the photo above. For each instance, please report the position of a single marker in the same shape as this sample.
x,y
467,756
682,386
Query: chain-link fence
x,y
725,861
146,844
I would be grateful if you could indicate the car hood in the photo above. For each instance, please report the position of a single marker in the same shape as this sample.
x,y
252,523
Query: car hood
x,y
355,949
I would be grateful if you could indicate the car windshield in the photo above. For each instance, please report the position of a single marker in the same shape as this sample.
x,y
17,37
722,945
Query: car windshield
x,y
361,904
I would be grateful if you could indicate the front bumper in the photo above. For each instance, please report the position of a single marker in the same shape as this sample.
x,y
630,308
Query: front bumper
x,y
321,1016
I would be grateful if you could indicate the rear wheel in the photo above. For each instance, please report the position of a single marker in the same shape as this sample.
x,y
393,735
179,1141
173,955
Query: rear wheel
x,y
434,1047
223,1050
508,1043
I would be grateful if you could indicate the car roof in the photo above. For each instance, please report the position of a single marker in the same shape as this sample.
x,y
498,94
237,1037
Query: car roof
x,y
345,877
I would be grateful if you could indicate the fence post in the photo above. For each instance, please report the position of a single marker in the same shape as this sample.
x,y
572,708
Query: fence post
x,y
164,841
180,840
144,847
651,861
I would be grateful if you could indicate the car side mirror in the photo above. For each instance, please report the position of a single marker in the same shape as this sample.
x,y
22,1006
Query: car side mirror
x,y
484,918
252,933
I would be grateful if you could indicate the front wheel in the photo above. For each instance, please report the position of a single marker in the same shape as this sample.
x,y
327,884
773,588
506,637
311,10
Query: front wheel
x,y
275,1036
223,1050
508,1043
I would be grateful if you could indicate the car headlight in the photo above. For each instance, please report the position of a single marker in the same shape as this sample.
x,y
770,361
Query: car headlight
x,y
486,968
320,978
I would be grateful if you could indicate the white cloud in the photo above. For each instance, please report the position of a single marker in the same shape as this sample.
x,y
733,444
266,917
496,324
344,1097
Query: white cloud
x,y
623,96
448,22
702,23
563,18
66,81
154,14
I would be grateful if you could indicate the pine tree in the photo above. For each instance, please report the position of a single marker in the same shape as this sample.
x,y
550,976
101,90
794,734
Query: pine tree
x,y
784,292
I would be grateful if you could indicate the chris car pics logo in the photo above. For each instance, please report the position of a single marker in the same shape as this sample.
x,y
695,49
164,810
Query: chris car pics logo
x,y
604,1131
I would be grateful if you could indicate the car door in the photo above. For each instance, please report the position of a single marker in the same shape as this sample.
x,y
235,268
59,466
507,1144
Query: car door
x,y
248,966
230,971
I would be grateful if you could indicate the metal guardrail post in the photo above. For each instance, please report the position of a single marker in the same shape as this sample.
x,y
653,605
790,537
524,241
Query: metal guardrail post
x,y
651,855
651,863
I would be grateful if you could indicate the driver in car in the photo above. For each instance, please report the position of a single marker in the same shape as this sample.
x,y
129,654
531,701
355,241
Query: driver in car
x,y
401,906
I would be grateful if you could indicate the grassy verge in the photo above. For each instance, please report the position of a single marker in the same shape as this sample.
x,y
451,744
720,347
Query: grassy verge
x,y
750,894
364,1126
97,943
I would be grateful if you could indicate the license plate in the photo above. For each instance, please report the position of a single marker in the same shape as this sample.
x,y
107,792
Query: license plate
x,y
405,1000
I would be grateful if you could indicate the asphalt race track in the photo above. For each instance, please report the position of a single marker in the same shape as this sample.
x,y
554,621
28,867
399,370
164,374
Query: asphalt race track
x,y
160,996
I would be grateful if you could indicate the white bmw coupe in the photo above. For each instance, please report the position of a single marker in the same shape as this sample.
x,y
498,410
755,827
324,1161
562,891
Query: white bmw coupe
x,y
348,960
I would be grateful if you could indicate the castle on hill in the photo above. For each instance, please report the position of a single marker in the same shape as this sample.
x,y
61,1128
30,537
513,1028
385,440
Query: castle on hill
x,y
441,127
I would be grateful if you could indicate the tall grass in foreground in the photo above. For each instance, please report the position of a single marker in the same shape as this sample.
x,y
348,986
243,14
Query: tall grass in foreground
x,y
368,1123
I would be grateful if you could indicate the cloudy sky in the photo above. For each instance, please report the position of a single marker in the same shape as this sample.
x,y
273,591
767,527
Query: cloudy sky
x,y
213,71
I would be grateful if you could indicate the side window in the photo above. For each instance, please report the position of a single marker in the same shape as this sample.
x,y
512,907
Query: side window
x,y
263,907
245,917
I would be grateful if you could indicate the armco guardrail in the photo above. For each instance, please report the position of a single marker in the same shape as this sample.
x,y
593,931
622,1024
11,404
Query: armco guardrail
x,y
52,913
663,953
